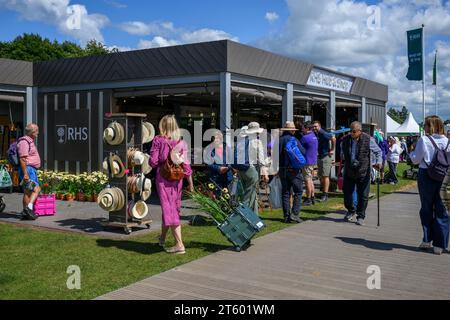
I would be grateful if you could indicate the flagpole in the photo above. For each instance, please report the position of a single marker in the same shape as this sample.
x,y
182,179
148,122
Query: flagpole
x,y
436,85
423,72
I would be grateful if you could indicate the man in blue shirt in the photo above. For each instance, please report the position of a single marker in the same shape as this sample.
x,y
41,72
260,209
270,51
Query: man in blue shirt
x,y
325,159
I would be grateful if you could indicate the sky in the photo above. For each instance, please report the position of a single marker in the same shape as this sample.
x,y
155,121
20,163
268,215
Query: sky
x,y
363,38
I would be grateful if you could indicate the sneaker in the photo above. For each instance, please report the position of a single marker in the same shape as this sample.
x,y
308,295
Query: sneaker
x,y
324,197
349,216
437,250
425,246
29,213
392,183
307,202
360,222
296,219
287,220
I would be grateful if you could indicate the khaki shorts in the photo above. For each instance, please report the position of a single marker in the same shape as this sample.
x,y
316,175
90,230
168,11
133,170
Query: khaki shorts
x,y
308,172
325,165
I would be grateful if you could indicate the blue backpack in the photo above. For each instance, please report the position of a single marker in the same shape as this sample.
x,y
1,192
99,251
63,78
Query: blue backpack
x,y
13,155
296,158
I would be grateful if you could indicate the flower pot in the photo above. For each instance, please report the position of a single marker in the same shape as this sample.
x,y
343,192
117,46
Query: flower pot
x,y
81,196
95,197
60,196
70,197
89,198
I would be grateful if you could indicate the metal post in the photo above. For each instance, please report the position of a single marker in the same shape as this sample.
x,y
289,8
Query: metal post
x,y
288,104
225,105
423,72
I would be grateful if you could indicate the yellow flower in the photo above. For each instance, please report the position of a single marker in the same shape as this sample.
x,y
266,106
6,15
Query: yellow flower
x,y
227,196
225,190
211,186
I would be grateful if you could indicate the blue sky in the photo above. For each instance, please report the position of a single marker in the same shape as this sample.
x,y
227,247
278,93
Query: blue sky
x,y
331,33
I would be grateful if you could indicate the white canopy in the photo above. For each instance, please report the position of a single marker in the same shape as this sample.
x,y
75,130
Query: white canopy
x,y
410,126
391,125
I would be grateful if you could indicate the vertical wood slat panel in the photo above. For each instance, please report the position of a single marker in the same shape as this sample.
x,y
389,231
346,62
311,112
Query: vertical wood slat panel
x,y
77,106
94,130
49,132
83,106
42,129
66,107
72,106
61,106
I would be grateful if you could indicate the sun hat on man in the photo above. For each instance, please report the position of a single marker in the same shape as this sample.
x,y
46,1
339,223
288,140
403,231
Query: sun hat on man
x,y
289,126
253,128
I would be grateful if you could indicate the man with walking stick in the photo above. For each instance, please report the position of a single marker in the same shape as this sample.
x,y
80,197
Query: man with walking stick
x,y
356,151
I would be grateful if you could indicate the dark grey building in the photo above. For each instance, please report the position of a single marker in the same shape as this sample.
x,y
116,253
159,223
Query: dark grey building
x,y
222,83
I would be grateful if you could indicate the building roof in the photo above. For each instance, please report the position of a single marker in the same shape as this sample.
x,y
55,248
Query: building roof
x,y
16,72
190,59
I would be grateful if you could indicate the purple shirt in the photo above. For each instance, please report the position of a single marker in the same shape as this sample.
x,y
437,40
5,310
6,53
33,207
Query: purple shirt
x,y
311,145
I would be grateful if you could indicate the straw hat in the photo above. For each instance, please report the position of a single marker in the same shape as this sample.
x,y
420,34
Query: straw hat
x,y
253,127
148,132
146,165
138,210
111,199
289,126
114,134
132,185
144,186
135,157
113,165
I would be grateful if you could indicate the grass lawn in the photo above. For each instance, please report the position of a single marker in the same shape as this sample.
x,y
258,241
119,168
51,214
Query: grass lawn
x,y
33,262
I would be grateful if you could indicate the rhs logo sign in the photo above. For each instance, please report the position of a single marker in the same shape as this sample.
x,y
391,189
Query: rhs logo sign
x,y
71,134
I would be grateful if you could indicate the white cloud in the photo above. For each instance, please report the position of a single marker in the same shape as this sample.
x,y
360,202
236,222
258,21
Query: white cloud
x,y
156,42
166,34
116,4
335,34
72,20
139,28
272,16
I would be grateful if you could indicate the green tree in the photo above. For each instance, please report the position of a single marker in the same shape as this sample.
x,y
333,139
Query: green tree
x,y
32,47
398,116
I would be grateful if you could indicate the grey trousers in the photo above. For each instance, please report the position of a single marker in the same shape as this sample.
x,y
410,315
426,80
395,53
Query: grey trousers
x,y
249,180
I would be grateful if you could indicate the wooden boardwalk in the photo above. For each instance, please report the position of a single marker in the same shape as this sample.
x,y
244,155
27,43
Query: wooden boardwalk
x,y
322,259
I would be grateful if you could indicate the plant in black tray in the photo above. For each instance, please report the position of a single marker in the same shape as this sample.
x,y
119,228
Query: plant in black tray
x,y
216,209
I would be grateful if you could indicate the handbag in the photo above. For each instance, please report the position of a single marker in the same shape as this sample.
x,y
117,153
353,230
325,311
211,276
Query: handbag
x,y
171,171
5,178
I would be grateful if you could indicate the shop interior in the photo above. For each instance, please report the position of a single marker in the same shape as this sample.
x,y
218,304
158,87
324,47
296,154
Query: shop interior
x,y
11,121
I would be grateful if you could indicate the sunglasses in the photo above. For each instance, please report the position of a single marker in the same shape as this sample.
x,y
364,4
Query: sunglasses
x,y
355,131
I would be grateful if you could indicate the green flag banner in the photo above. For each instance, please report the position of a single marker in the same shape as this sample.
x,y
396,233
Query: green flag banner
x,y
415,71
435,70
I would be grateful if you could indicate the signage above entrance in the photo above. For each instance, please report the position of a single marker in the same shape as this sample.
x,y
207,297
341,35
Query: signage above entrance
x,y
328,80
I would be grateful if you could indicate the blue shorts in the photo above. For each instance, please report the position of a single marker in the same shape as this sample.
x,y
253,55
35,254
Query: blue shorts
x,y
32,173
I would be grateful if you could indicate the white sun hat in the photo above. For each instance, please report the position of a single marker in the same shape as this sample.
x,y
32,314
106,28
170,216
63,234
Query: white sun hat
x,y
148,132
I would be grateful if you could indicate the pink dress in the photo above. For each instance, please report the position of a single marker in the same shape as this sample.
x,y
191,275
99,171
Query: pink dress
x,y
169,191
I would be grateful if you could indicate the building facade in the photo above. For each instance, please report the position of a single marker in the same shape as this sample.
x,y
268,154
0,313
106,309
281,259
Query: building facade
x,y
223,84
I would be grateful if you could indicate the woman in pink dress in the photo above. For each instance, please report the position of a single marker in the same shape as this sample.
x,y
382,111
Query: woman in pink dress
x,y
170,191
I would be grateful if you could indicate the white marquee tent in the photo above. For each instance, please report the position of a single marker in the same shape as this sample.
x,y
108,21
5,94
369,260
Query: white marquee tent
x,y
409,127
391,125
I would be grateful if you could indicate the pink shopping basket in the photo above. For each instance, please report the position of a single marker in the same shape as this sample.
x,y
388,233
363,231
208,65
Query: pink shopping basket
x,y
45,205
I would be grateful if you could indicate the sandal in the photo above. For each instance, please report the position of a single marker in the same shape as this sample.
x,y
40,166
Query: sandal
x,y
176,250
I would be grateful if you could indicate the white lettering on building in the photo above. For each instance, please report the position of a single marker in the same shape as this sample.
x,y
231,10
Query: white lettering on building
x,y
328,80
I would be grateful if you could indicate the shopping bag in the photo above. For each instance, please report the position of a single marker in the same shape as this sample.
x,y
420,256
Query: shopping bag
x,y
275,193
5,178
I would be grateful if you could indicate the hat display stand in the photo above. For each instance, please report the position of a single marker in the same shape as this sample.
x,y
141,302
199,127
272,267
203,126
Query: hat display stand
x,y
132,125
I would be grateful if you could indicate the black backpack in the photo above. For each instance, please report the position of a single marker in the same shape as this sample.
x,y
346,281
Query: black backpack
x,y
437,169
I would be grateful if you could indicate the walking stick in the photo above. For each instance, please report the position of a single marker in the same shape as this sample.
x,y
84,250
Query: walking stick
x,y
378,197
